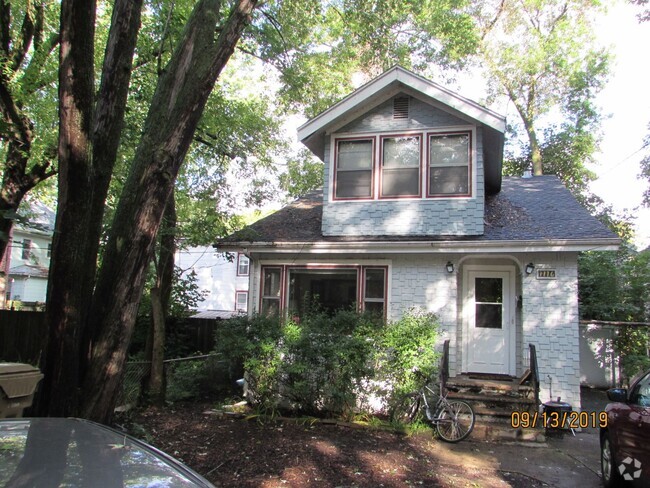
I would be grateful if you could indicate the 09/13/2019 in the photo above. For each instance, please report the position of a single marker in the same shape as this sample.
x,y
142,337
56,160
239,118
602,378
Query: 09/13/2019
x,y
554,420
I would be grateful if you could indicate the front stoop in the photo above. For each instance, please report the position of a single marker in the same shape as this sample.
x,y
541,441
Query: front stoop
x,y
498,404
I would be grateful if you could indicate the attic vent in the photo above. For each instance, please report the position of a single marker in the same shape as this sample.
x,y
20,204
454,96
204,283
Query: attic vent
x,y
401,107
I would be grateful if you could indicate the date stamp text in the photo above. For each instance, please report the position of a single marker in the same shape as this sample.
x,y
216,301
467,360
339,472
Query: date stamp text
x,y
555,420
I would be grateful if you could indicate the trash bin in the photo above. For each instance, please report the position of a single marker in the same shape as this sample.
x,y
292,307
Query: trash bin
x,y
17,386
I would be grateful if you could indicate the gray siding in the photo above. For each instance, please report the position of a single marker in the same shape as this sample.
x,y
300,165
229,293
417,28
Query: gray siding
x,y
422,116
418,216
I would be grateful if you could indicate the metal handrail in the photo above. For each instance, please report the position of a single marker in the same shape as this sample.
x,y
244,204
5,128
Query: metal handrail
x,y
444,365
534,370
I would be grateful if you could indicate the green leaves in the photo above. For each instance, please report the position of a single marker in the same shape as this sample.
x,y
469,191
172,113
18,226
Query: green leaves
x,y
329,365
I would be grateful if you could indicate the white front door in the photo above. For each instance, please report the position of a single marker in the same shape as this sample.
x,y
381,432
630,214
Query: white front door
x,y
488,320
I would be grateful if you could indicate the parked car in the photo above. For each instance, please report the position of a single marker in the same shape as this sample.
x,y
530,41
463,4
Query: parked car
x,y
625,442
57,452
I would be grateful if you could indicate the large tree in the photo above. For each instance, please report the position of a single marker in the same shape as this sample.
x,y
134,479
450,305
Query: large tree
x,y
90,326
543,57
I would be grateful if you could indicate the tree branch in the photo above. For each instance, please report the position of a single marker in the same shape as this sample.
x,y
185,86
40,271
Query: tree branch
x,y
30,81
493,22
26,34
19,130
165,31
5,23
38,25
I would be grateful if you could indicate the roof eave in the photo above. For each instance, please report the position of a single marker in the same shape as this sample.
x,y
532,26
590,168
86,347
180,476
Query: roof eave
x,y
397,75
340,247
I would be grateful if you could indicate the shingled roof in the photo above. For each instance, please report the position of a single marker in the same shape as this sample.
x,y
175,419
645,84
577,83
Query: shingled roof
x,y
526,209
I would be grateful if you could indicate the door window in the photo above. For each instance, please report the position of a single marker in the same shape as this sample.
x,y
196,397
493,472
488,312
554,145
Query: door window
x,y
489,303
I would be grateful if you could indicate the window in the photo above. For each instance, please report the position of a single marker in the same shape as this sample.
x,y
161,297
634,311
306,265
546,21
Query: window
x,y
27,249
489,303
400,166
241,301
271,288
405,165
449,164
374,294
329,289
49,250
354,163
242,265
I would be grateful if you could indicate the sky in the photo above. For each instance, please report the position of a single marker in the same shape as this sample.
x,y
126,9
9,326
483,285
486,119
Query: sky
x,y
626,101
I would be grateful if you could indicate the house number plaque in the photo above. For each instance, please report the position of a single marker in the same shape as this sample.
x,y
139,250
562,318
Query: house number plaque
x,y
546,274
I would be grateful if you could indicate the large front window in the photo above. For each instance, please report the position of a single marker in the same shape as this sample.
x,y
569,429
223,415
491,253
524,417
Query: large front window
x,y
327,289
323,288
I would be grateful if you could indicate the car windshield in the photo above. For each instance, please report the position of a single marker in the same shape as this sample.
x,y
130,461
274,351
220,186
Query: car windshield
x,y
75,453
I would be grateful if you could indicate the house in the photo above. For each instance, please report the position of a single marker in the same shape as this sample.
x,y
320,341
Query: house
x,y
27,259
414,211
221,278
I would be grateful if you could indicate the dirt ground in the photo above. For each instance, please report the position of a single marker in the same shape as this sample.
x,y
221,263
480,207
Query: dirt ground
x,y
234,452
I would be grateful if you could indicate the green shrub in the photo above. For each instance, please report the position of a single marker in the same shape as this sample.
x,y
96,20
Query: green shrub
x,y
634,364
323,364
407,355
194,379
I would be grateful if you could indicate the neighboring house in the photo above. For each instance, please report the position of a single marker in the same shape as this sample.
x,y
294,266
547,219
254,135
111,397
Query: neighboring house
x,y
27,260
222,278
414,212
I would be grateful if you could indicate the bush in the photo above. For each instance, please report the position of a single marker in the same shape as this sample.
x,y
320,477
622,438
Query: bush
x,y
194,379
408,357
323,365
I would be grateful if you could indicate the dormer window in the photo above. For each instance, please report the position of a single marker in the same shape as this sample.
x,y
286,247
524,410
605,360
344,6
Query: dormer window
x,y
413,165
400,166
354,165
449,164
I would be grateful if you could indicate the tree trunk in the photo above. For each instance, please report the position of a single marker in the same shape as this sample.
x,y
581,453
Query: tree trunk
x,y
535,150
160,301
84,175
69,289
155,390
176,108
166,254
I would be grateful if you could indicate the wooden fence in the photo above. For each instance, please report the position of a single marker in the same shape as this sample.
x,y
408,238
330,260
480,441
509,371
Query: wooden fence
x,y
22,336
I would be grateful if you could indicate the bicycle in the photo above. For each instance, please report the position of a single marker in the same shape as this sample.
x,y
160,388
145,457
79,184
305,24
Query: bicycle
x,y
453,419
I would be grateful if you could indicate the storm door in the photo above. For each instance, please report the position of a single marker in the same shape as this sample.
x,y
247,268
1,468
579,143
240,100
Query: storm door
x,y
489,322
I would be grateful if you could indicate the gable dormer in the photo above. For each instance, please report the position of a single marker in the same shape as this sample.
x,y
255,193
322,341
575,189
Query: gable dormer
x,y
406,157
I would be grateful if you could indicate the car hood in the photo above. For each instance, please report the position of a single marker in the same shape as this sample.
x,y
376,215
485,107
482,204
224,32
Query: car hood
x,y
77,453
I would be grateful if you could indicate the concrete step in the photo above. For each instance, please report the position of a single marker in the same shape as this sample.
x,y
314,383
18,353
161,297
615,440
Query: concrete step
x,y
487,398
464,383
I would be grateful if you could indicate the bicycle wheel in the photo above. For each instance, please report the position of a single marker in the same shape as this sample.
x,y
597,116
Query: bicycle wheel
x,y
455,421
406,410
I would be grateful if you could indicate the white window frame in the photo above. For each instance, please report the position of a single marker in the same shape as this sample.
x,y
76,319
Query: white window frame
x,y
246,264
240,293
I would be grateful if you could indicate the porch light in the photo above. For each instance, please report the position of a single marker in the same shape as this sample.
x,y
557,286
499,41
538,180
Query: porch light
x,y
530,267
450,267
